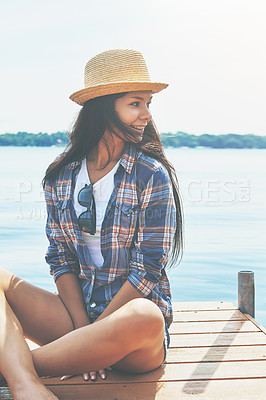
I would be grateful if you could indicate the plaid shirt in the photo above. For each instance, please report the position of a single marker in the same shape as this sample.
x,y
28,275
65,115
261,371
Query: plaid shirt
x,y
136,234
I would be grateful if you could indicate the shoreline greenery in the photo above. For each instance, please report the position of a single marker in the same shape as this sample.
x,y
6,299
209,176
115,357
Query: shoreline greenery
x,y
179,139
34,139
229,141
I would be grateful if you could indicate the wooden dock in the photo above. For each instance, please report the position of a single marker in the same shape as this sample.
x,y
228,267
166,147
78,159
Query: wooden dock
x,y
216,353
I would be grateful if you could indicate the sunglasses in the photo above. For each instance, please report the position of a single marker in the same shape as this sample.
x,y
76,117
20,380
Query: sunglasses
x,y
87,220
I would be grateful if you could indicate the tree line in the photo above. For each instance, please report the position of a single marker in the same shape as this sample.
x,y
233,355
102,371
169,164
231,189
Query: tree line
x,y
34,139
229,141
179,139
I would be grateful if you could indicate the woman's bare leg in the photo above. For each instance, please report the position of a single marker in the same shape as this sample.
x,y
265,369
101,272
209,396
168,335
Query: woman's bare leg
x,y
32,304
16,360
131,338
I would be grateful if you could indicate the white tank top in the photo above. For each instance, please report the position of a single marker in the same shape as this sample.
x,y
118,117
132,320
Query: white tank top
x,y
102,191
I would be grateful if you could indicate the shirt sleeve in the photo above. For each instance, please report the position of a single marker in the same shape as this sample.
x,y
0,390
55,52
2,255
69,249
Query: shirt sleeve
x,y
156,230
59,255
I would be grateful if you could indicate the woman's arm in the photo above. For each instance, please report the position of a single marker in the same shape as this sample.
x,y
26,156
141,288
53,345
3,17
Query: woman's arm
x,y
126,293
59,256
70,293
64,265
155,234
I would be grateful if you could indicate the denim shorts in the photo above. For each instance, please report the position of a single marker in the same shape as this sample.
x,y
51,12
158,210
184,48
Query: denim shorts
x,y
166,342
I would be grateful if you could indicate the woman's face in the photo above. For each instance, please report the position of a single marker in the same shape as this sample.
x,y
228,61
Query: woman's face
x,y
133,110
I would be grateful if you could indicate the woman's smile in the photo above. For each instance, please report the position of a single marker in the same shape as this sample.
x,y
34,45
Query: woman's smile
x,y
139,128
133,110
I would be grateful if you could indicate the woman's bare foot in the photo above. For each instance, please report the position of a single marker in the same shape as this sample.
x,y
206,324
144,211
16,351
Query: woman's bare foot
x,y
32,391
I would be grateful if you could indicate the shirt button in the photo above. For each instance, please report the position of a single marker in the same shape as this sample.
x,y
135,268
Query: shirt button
x,y
93,304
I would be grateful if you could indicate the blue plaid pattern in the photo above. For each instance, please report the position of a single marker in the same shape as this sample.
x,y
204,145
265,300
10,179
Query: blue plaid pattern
x,y
136,236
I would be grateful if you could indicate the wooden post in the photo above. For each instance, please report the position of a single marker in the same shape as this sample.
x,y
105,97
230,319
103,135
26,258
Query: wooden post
x,y
246,292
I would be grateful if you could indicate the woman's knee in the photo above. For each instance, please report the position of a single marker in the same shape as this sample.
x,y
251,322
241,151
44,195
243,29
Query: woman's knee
x,y
6,278
142,321
149,317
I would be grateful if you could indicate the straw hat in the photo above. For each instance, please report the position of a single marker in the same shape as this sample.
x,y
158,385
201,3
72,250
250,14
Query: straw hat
x,y
116,71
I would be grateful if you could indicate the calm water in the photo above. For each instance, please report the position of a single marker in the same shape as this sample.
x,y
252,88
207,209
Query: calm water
x,y
224,195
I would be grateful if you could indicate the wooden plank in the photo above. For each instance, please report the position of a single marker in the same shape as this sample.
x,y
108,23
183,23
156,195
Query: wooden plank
x,y
251,389
213,327
218,339
203,306
5,393
203,354
216,315
256,323
180,372
203,390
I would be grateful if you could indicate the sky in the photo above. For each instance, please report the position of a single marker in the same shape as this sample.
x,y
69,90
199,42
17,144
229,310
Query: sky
x,y
211,52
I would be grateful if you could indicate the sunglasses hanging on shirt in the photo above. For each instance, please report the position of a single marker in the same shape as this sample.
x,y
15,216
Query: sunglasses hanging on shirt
x,y
87,219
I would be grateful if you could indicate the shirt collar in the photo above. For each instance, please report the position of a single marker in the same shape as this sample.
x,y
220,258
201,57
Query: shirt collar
x,y
129,157
74,164
127,161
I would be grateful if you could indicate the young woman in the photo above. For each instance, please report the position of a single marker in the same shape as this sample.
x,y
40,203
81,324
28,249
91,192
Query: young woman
x,y
114,223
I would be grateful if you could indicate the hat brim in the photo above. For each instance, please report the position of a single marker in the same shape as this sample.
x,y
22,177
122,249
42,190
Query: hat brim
x,y
83,95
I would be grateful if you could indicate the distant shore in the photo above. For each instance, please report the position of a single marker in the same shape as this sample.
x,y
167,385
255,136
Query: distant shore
x,y
179,139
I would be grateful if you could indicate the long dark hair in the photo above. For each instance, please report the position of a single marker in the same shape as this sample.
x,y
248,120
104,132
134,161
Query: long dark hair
x,y
97,116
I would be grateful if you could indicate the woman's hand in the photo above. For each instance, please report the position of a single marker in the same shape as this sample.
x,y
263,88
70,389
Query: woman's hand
x,y
90,375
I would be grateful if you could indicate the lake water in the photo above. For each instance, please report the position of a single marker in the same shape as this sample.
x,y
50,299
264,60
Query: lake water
x,y
224,195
